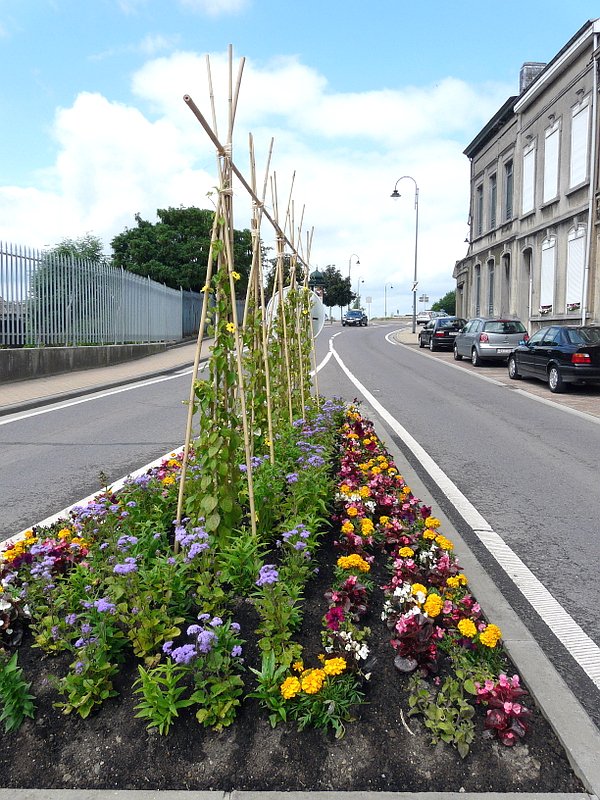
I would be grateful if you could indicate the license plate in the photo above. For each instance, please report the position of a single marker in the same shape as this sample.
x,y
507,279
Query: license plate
x,y
452,333
503,351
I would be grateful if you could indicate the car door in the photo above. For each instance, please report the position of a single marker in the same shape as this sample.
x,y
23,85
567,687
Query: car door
x,y
527,353
462,340
427,333
544,351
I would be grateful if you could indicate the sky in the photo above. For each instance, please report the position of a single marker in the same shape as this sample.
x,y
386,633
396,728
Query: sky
x,y
355,95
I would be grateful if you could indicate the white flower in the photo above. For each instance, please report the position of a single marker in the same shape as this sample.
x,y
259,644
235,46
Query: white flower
x,y
5,605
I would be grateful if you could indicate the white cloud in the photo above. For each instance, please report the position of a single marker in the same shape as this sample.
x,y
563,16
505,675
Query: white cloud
x,y
347,151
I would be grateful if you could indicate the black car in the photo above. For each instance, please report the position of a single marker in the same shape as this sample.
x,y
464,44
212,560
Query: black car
x,y
558,354
441,332
355,317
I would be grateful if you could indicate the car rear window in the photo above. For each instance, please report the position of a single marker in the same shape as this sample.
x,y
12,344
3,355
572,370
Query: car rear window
x,y
450,323
504,326
583,335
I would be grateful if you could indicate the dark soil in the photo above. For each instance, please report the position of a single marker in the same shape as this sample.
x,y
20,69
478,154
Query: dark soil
x,y
113,750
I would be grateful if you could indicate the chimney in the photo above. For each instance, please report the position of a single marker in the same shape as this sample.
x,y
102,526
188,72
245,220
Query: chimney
x,y
529,72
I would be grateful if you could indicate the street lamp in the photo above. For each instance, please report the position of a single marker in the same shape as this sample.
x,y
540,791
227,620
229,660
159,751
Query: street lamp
x,y
385,286
395,194
350,268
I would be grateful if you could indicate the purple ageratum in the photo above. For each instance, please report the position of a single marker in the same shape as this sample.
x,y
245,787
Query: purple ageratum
x,y
104,605
125,542
236,651
205,641
267,575
130,565
184,654
292,477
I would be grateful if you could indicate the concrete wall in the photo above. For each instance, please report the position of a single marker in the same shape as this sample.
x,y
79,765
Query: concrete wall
x,y
36,362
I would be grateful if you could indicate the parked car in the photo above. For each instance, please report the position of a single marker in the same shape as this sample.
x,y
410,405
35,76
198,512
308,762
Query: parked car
x,y
355,317
423,317
559,354
441,332
490,338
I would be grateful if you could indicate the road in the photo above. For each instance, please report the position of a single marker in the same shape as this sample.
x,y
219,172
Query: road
x,y
528,467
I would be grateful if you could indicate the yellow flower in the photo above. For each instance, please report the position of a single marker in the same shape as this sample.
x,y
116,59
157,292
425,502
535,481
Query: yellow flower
x,y
384,465
366,442
406,490
433,605
347,527
456,581
168,480
63,533
235,275
366,526
353,561
290,687
345,489
230,327
432,522
364,491
418,587
376,470
298,666
312,681
205,288
444,543
406,552
429,534
467,628
268,442
490,636
352,511
384,520
392,471
334,666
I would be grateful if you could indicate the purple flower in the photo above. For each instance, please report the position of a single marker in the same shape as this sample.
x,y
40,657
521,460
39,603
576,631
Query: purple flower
x,y
205,641
216,622
167,647
184,654
236,651
235,627
71,619
291,477
79,665
194,630
267,575
104,605
203,617
130,565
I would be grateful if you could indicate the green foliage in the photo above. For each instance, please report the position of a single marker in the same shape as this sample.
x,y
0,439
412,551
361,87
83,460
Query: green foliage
x,y
447,714
16,702
240,563
89,682
174,250
447,303
331,707
160,689
269,678
279,608
337,290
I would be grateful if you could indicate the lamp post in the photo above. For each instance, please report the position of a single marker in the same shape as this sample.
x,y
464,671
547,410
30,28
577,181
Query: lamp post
x,y
385,286
350,269
395,194
359,280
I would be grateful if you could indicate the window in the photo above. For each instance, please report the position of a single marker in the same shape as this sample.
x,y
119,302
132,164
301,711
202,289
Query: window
x,y
490,287
479,210
551,151
493,199
478,289
579,145
547,275
528,196
575,261
508,191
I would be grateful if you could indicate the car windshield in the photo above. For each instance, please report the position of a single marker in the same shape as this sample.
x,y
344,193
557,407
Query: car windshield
x,y
450,323
504,326
583,335
354,314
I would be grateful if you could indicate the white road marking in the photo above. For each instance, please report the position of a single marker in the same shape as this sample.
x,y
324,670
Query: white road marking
x,y
580,645
21,415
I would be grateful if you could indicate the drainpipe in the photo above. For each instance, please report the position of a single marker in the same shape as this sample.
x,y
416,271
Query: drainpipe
x,y
593,178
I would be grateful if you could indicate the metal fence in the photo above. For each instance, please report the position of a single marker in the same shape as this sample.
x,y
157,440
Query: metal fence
x,y
47,299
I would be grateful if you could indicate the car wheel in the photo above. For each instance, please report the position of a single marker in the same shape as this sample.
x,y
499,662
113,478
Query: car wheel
x,y
432,347
555,381
513,372
457,355
421,343
475,359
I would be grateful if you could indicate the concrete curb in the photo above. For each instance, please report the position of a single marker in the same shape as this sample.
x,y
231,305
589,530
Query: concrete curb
x,y
149,794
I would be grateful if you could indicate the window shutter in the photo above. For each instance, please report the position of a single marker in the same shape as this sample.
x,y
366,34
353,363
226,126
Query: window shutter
x,y
575,262
579,146
547,273
551,150
528,180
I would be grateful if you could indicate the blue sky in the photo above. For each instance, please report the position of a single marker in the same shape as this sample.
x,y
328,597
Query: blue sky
x,y
355,95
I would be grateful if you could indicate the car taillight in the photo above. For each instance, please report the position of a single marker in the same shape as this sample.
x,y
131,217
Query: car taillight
x,y
581,358
483,337
439,333
525,337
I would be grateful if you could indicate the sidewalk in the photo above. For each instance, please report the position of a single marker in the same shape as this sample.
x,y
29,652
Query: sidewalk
x,y
23,395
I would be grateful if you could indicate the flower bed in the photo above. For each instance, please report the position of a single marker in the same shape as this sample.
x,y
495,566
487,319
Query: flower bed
x,y
296,644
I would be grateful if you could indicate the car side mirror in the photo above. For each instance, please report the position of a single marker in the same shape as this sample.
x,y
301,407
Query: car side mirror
x,y
523,341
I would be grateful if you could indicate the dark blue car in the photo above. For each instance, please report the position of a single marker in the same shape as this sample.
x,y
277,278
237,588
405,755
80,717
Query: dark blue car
x,y
559,354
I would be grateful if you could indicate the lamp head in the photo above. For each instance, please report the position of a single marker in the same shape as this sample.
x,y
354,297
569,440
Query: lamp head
x,y
395,194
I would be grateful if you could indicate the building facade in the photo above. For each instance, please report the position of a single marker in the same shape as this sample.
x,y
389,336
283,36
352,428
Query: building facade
x,y
533,221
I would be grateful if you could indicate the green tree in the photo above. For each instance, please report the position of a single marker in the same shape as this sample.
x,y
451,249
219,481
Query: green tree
x,y
447,303
336,290
174,250
86,248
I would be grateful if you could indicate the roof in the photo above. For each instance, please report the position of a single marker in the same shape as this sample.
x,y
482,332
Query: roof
x,y
500,118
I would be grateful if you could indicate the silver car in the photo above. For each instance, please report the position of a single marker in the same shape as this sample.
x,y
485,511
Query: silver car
x,y
490,338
